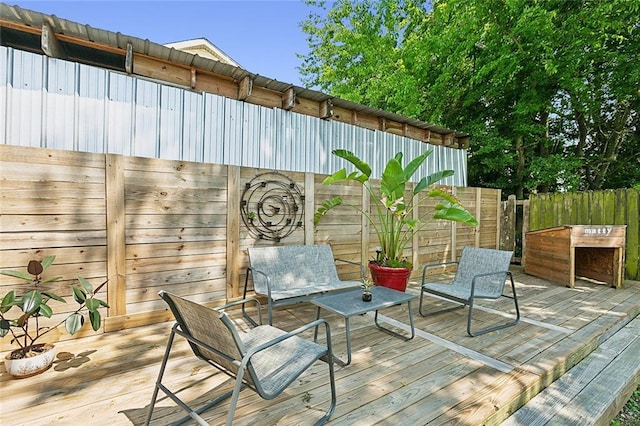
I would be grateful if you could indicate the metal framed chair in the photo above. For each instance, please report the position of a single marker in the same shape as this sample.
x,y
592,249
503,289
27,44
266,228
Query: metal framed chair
x,y
481,274
265,359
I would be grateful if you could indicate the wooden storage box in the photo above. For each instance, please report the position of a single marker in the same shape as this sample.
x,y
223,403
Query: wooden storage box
x,y
592,251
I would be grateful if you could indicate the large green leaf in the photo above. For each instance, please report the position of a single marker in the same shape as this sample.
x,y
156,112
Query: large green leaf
x,y
86,285
74,323
50,280
415,164
45,310
8,301
438,176
96,320
17,274
47,261
30,301
393,180
92,304
79,294
324,208
53,296
454,212
364,168
5,326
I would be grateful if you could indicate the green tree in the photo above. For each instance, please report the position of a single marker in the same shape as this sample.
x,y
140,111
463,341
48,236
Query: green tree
x,y
547,88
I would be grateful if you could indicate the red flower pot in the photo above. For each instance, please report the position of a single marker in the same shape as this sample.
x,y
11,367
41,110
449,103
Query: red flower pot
x,y
393,278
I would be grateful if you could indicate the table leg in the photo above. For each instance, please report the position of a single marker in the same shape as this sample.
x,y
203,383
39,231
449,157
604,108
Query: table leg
x,y
337,360
393,333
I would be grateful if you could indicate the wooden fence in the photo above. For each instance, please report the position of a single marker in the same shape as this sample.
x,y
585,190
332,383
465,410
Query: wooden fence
x,y
610,207
148,224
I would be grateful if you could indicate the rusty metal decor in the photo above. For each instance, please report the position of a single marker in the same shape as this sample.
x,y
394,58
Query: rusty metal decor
x,y
272,206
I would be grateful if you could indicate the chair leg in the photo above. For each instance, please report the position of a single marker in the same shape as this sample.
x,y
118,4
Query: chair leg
x,y
192,414
497,327
160,374
244,296
332,379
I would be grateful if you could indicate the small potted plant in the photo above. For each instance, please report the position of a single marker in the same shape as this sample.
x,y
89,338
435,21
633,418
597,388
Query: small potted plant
x,y
367,284
29,304
392,213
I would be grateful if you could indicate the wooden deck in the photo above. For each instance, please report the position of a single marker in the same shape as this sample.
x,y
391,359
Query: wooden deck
x,y
441,376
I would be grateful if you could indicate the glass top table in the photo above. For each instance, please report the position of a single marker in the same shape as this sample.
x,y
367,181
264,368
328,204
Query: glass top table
x,y
350,303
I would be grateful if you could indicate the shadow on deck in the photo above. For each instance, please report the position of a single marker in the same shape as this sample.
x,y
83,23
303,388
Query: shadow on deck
x,y
441,376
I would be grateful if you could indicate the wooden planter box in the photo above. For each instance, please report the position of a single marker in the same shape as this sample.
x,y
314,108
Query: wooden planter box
x,y
592,251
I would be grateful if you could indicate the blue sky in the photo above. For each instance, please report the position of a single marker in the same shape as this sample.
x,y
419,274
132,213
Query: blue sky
x,y
262,36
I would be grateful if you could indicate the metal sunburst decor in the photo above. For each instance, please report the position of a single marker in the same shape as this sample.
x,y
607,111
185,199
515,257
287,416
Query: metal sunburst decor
x,y
272,206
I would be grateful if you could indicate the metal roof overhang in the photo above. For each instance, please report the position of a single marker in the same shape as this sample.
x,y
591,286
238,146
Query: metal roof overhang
x,y
21,28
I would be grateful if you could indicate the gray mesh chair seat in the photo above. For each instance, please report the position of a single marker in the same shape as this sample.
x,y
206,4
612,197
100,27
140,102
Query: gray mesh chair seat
x,y
265,358
481,274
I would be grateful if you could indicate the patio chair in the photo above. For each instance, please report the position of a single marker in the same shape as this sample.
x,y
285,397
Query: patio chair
x,y
481,274
265,359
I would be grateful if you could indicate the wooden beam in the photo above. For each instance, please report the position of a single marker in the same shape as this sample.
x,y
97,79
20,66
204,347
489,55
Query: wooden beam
x,y
326,109
383,124
116,231
128,60
245,88
193,78
448,139
50,44
233,232
289,99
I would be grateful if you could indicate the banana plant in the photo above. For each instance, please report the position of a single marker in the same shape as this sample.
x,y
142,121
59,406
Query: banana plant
x,y
391,215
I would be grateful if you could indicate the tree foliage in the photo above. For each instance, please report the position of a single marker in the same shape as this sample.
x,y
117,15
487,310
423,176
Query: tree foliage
x,y
547,88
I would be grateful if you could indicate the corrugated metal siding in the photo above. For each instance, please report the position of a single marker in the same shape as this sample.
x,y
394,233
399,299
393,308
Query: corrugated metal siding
x,y
59,104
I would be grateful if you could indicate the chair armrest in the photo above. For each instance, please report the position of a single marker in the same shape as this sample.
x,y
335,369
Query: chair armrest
x,y
243,302
266,277
362,269
488,274
433,265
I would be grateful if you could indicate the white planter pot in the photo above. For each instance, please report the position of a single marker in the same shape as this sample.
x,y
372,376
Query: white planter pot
x,y
27,367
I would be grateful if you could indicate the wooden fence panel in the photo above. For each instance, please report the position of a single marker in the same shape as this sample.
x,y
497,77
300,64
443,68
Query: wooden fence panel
x,y
609,207
150,224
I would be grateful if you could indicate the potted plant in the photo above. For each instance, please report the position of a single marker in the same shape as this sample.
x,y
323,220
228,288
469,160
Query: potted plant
x,y
392,213
29,305
366,290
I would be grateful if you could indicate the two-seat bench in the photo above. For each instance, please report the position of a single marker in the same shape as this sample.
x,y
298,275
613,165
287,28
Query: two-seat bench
x,y
292,274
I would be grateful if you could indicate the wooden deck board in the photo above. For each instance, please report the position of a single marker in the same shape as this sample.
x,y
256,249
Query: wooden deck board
x,y
108,379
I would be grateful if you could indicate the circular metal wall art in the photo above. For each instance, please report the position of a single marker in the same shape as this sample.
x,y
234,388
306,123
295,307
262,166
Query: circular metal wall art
x,y
272,206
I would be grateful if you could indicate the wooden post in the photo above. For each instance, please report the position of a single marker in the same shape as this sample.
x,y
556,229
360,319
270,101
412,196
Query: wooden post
x,y
478,215
116,231
289,99
454,243
326,109
309,207
245,88
525,229
50,44
366,227
415,244
508,224
233,231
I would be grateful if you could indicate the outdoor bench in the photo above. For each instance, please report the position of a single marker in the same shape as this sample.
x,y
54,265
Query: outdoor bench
x,y
292,274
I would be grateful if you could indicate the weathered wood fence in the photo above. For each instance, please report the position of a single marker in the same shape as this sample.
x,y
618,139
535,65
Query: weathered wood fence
x,y
609,207
148,224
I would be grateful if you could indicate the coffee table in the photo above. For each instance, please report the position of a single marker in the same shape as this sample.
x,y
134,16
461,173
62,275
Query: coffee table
x,y
350,303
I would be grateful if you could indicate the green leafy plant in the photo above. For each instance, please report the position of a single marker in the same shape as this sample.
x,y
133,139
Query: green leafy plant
x,y
33,304
392,214
367,284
